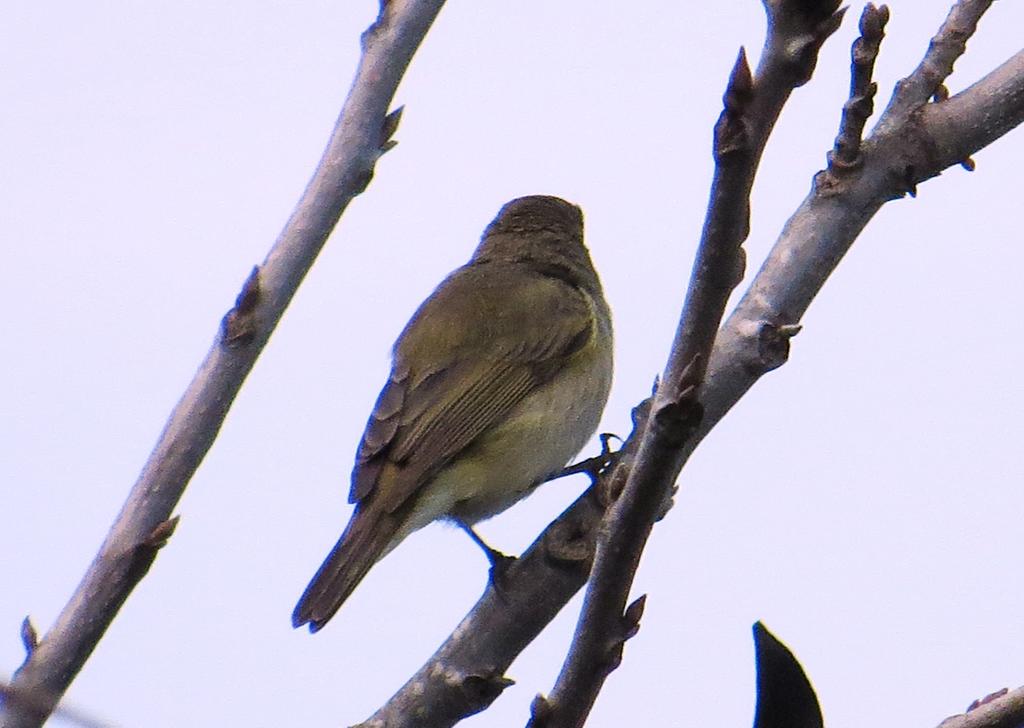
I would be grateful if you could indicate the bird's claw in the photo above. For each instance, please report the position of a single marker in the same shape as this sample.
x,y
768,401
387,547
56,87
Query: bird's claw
x,y
596,465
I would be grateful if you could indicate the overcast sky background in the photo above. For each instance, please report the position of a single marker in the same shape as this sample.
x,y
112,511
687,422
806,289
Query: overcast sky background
x,y
864,501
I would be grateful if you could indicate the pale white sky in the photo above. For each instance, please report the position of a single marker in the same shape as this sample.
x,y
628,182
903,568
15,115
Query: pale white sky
x,y
864,501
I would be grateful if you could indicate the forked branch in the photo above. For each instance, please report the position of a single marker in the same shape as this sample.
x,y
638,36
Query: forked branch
x,y
753,341
796,32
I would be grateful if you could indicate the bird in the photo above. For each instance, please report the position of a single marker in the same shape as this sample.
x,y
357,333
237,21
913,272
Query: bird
x,y
498,380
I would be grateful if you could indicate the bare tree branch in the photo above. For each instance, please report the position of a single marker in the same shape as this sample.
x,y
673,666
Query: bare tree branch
x,y
1002,709
65,712
466,674
936,66
957,127
896,157
861,104
796,31
360,136
753,341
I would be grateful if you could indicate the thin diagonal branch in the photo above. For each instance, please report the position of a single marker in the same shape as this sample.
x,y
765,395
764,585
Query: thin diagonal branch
x,y
861,104
948,44
360,136
796,31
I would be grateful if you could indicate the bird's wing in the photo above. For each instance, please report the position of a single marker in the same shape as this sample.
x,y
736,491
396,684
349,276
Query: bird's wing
x,y
475,349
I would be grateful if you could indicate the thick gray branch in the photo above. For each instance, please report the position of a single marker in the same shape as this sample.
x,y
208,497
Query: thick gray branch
x,y
360,136
975,117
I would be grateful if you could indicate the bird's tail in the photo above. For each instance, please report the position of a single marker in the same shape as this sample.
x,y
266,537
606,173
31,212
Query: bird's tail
x,y
367,538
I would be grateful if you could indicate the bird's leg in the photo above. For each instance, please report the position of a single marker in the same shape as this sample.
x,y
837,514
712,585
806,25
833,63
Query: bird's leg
x,y
595,465
500,562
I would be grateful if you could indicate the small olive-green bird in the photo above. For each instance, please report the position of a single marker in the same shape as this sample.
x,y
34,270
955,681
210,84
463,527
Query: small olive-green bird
x,y
496,382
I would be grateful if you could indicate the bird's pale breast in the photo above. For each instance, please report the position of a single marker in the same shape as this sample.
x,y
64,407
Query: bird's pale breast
x,y
541,434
